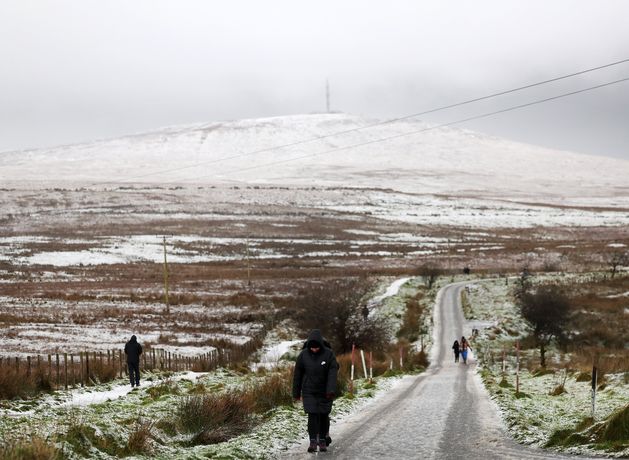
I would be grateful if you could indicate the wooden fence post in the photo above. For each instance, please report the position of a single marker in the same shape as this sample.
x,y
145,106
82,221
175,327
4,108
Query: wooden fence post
x,y
87,367
50,369
65,370
58,370
81,364
28,366
72,369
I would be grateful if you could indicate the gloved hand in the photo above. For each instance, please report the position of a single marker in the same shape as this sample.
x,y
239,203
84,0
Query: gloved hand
x,y
329,395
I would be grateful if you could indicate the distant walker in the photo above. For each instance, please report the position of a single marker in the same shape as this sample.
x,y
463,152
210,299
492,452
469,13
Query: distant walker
x,y
133,350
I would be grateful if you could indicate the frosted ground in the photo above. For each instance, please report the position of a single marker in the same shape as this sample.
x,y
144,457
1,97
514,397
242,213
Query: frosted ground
x,y
109,408
532,420
248,226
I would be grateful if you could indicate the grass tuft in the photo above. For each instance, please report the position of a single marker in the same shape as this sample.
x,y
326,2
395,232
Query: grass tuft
x,y
272,392
139,441
34,448
617,426
215,418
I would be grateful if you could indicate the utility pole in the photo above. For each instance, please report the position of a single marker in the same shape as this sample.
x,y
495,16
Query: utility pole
x,y
248,263
327,96
166,280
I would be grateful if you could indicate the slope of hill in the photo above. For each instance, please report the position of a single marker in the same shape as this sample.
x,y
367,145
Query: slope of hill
x,y
415,157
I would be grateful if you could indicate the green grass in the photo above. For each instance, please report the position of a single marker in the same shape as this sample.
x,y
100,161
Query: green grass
x,y
617,427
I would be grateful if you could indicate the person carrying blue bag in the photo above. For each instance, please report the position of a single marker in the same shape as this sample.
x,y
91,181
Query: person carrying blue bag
x,y
465,347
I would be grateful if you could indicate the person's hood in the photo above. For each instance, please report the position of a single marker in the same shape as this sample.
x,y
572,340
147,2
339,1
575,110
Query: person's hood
x,y
133,338
315,339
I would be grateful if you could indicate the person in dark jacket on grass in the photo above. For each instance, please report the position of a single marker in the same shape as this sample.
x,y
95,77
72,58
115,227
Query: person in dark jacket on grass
x,y
133,350
314,382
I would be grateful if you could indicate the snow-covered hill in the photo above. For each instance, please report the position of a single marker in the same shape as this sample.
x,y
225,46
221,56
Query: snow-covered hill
x,y
416,158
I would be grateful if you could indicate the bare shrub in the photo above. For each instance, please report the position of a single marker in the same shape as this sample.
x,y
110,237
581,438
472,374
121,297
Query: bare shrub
x,y
34,448
244,298
273,391
617,259
18,383
102,371
336,308
412,326
139,441
430,272
617,426
411,359
216,418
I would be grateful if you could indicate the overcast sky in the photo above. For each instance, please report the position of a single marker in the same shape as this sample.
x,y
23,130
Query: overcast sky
x,y
77,70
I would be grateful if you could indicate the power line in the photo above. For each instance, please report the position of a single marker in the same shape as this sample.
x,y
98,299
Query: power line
x,y
396,136
372,125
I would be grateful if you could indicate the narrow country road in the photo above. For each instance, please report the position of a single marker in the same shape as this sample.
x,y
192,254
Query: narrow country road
x,y
444,413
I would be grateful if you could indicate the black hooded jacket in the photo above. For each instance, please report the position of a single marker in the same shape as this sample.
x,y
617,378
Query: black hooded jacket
x,y
315,375
133,350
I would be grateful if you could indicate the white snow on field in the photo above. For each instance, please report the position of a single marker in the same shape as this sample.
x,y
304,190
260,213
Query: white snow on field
x,y
271,355
616,296
391,290
85,398
194,248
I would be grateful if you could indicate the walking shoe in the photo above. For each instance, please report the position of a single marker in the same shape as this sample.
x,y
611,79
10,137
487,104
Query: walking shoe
x,y
328,440
323,447
313,446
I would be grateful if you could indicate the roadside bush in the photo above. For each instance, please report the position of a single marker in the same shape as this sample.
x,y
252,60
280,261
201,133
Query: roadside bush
x,y
337,309
139,441
412,324
273,391
215,418
34,448
617,426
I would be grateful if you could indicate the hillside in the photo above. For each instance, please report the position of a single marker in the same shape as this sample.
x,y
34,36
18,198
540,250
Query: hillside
x,y
432,160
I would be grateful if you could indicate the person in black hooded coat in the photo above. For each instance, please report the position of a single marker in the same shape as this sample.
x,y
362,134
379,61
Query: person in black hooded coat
x,y
314,382
133,350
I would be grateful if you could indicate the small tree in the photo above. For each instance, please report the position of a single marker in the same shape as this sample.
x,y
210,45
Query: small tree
x,y
337,309
522,285
547,311
430,273
616,260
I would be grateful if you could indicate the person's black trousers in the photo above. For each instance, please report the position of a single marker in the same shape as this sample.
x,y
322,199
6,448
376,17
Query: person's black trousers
x,y
134,373
318,425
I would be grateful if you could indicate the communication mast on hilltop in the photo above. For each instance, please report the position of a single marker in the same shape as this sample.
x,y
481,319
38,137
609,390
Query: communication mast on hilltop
x,y
327,96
